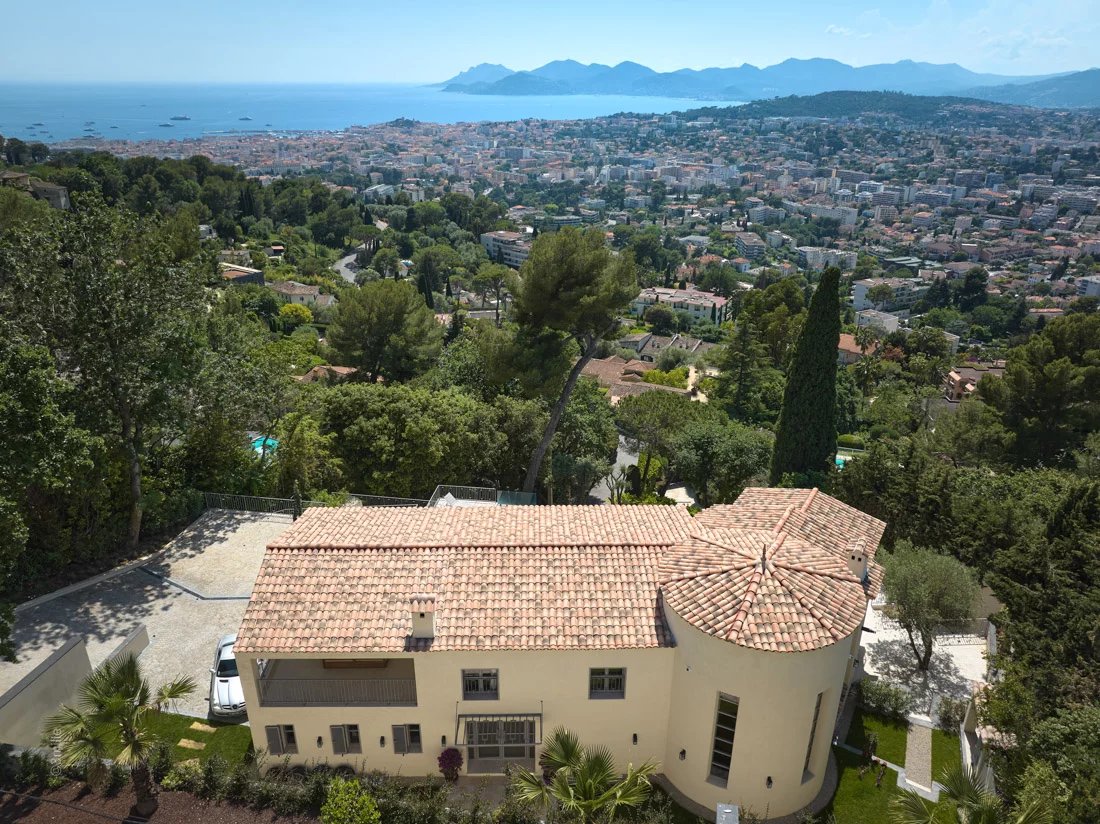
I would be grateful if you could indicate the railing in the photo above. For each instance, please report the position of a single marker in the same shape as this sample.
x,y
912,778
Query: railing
x,y
254,503
479,495
338,692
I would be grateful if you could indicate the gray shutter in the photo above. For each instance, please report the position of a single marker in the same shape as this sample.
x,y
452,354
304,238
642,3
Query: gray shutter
x,y
274,740
339,743
399,745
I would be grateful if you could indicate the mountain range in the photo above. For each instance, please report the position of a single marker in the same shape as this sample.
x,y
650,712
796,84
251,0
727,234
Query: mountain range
x,y
791,77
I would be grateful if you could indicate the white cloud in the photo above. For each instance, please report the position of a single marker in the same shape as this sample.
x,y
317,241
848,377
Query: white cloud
x,y
842,31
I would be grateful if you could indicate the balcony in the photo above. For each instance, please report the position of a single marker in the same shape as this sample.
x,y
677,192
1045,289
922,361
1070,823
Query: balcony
x,y
337,683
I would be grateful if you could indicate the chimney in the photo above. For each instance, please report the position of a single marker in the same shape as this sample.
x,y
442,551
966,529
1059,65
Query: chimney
x,y
423,616
857,559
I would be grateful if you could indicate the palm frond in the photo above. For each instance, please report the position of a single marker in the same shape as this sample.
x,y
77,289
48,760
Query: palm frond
x,y
963,785
174,690
1037,812
562,748
530,788
909,808
77,735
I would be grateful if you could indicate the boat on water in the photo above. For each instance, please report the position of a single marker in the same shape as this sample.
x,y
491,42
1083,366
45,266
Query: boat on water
x,y
179,117
244,118
89,122
167,125
38,124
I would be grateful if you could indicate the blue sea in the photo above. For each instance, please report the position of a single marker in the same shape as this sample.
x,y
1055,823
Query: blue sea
x,y
136,111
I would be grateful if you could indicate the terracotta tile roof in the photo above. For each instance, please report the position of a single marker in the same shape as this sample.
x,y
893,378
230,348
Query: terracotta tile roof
x,y
771,571
346,580
518,577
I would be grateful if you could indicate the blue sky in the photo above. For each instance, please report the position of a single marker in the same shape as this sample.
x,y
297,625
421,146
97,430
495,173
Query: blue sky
x,y
426,40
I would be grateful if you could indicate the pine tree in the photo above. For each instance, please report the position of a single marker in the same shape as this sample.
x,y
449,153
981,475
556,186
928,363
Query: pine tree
x,y
806,434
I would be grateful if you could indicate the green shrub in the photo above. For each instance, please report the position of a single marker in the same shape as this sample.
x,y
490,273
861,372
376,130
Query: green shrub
x,y
347,802
117,777
884,699
952,711
34,770
160,762
184,777
677,378
850,441
214,777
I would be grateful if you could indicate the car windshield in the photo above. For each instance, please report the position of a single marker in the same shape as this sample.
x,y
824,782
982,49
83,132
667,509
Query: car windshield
x,y
227,668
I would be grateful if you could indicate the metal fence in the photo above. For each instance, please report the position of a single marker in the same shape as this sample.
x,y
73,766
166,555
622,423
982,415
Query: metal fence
x,y
291,506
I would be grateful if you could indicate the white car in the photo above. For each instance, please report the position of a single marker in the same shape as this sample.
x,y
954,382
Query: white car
x,y
226,695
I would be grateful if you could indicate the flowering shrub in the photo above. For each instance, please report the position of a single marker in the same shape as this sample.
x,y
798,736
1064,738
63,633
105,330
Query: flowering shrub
x,y
450,763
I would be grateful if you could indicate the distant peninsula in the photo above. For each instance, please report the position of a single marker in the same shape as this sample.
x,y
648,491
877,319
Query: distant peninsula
x,y
791,77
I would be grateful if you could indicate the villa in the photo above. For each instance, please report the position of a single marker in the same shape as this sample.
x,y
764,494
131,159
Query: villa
x,y
719,645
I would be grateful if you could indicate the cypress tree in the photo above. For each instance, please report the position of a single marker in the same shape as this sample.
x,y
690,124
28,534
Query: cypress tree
x,y
805,437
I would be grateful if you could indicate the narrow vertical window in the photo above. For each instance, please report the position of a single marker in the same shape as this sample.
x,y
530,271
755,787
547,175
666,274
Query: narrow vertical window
x,y
813,734
725,726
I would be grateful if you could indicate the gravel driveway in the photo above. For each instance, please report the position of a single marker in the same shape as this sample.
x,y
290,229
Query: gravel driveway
x,y
190,594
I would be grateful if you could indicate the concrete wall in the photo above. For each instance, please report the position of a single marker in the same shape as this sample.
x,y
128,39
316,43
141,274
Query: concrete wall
x,y
777,692
26,705
36,696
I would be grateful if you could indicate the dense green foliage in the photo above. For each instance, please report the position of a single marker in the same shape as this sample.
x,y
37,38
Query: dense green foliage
x,y
806,432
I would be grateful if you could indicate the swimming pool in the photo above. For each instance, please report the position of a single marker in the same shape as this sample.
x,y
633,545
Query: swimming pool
x,y
264,444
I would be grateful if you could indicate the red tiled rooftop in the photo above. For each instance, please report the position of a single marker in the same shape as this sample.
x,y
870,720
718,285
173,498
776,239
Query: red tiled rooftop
x,y
343,580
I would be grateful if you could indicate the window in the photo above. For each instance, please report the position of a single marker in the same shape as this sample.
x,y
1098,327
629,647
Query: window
x,y
607,682
406,738
480,685
281,739
725,725
345,739
813,734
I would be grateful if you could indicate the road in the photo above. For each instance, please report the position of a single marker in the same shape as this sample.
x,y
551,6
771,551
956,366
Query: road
x,y
343,267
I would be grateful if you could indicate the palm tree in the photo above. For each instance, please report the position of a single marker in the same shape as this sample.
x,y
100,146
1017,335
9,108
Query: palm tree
x,y
582,781
116,713
966,798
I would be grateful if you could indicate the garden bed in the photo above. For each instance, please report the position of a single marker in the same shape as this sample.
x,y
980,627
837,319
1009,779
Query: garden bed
x,y
74,804
230,741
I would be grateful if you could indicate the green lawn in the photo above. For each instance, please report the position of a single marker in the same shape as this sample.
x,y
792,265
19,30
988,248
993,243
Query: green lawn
x,y
891,735
230,741
945,752
860,801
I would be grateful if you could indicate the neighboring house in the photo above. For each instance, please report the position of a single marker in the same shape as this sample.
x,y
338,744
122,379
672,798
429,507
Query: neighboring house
x,y
720,645
327,374
962,381
697,303
622,378
240,257
904,292
849,352
56,196
307,295
236,275
873,317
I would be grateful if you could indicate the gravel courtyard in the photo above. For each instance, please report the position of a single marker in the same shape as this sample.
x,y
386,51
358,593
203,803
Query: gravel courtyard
x,y
188,595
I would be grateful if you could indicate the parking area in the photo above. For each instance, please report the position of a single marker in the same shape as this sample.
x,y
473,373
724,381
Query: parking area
x,y
188,595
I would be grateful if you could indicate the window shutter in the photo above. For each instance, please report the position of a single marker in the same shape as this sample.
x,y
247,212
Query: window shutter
x,y
339,744
399,744
274,740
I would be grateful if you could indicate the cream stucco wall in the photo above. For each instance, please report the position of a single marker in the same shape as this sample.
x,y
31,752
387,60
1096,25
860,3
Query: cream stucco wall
x,y
777,692
554,683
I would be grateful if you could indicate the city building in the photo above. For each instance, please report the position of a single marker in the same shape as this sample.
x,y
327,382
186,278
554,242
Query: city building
x,y
904,293
962,381
719,646
509,248
750,245
699,304
1088,286
303,293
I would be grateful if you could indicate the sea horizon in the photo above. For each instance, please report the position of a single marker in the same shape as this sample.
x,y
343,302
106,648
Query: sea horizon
x,y
53,112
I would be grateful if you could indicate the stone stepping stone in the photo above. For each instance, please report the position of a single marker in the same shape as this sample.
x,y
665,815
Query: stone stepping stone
x,y
188,744
198,726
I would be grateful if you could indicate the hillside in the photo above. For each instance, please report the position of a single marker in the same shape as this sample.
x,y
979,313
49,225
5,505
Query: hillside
x,y
745,82
1071,91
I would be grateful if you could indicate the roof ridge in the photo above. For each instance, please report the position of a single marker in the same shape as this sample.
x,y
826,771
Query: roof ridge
x,y
814,612
783,520
746,604
706,573
824,573
809,500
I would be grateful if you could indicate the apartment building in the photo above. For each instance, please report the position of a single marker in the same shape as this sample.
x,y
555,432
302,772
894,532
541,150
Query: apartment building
x,y
749,245
719,646
509,248
905,292
700,305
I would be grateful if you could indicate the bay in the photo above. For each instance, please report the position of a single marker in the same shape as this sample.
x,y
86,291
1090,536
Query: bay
x,y
137,111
